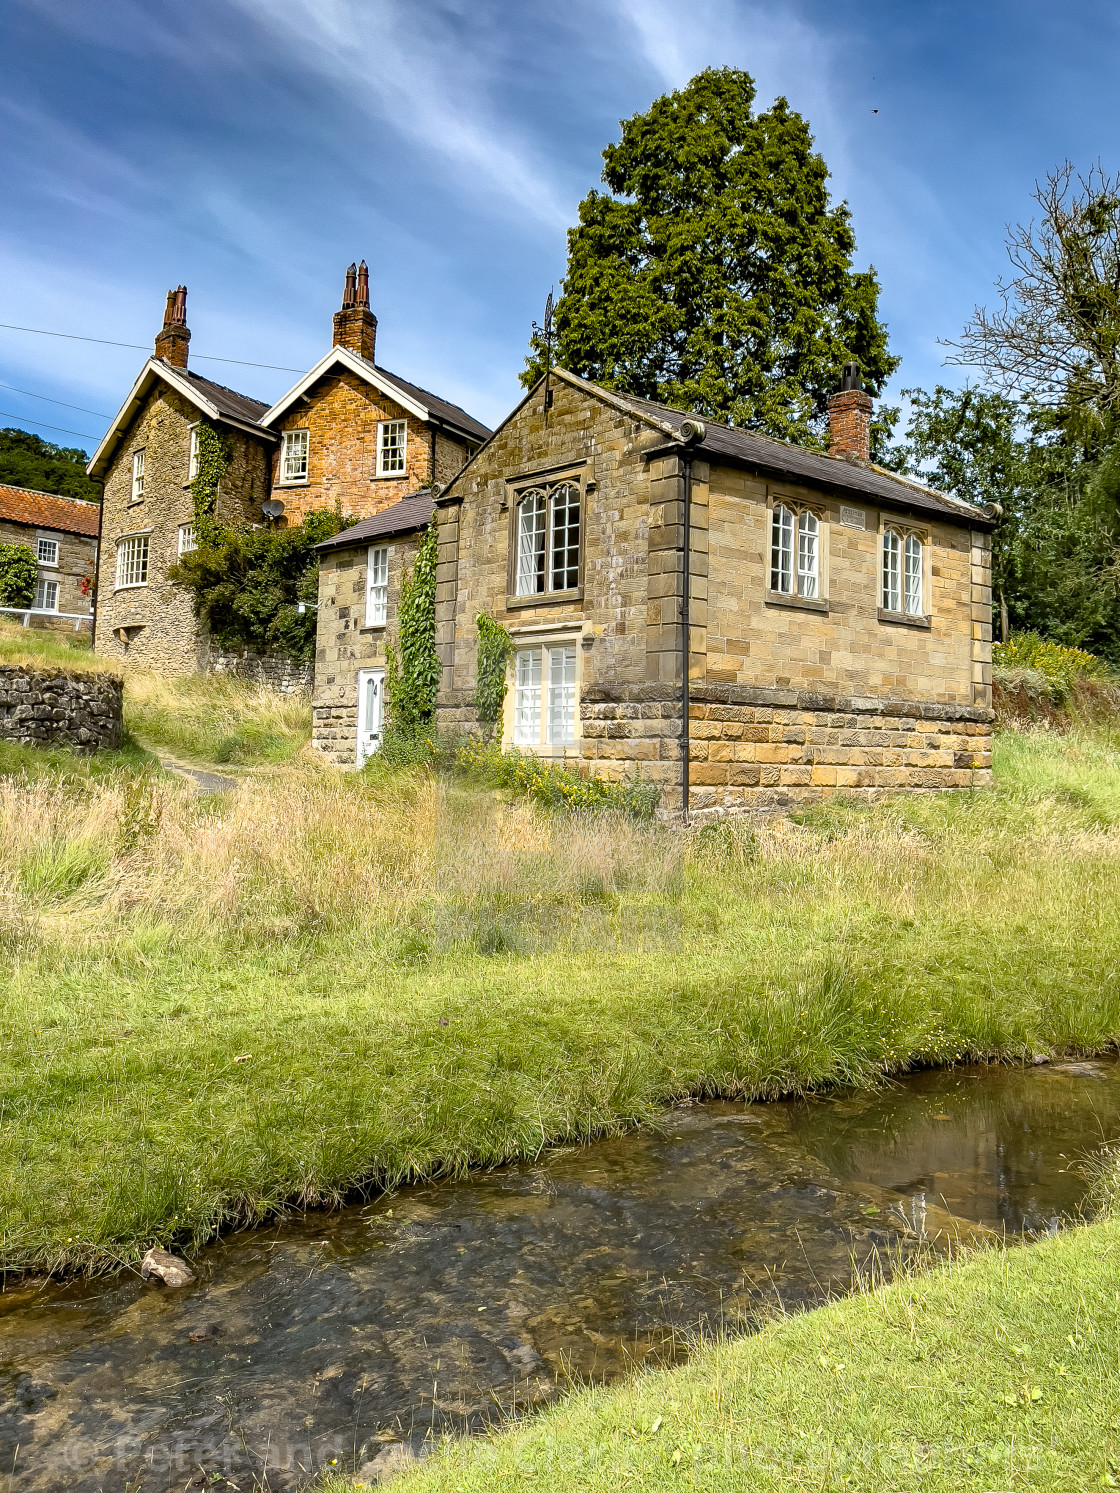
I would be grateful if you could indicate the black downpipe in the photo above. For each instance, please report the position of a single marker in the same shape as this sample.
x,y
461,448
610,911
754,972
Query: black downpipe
x,y
686,584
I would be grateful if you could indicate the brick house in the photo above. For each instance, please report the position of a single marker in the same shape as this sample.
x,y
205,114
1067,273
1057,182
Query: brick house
x,y
62,535
348,436
356,438
837,616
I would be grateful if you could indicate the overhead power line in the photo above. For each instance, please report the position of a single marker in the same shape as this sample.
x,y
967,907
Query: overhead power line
x,y
140,347
42,425
48,400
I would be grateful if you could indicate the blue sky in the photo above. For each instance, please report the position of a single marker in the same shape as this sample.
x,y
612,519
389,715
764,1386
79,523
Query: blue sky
x,y
253,148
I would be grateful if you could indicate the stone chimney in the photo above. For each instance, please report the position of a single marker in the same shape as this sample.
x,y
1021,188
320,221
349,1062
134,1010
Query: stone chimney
x,y
355,326
174,337
849,418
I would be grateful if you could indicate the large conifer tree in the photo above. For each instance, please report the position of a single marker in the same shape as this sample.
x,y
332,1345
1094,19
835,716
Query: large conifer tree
x,y
716,276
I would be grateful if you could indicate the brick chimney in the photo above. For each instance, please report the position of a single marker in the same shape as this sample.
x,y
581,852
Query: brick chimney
x,y
355,326
849,418
174,337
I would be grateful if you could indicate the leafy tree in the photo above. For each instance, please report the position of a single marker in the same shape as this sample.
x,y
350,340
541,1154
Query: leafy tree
x,y
1054,340
715,275
247,584
27,461
18,574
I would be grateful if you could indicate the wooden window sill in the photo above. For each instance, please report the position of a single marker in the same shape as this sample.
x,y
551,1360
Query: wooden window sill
x,y
903,619
800,603
544,599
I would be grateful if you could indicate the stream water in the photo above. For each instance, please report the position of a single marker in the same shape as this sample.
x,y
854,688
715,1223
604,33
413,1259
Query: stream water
x,y
439,1308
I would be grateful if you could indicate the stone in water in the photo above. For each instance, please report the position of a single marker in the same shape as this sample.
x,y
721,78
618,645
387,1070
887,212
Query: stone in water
x,y
166,1267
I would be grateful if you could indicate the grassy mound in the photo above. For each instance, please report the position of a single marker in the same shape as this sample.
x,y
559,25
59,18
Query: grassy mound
x,y
210,1010
995,1373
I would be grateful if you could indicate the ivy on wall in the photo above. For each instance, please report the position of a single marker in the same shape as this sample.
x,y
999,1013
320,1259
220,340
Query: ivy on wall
x,y
412,677
495,649
214,453
18,574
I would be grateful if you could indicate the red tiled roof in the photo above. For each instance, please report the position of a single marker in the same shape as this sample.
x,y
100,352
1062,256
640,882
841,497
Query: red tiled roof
x,y
46,510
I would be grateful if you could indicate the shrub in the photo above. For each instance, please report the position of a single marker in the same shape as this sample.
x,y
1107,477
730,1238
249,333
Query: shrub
x,y
1058,666
554,786
18,574
412,680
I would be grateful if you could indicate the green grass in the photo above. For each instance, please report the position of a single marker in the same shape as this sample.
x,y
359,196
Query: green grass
x,y
420,978
999,1372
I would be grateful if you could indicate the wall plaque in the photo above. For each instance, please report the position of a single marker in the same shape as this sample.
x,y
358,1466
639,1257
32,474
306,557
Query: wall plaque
x,y
853,518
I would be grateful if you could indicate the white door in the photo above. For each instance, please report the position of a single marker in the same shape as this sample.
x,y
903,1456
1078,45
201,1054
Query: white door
x,y
371,692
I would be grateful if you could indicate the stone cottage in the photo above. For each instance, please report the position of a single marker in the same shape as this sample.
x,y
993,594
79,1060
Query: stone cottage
x,y
836,616
62,535
349,436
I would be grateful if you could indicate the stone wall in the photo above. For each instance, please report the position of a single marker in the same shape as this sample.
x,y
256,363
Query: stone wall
x,y
276,670
341,416
154,625
767,749
344,645
42,708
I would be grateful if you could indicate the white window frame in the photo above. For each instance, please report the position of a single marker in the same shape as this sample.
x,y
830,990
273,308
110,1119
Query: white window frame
x,y
547,544
368,678
377,585
187,539
295,454
795,551
46,552
133,556
137,476
45,587
902,581
392,448
545,694
192,457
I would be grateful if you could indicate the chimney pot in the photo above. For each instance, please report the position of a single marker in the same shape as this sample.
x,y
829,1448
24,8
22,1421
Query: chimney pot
x,y
355,326
174,337
849,418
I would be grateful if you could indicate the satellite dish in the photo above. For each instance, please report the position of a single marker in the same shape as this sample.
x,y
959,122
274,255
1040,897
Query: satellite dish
x,y
273,508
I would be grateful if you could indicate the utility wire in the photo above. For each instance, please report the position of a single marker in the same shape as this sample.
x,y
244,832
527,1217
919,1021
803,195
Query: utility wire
x,y
7,415
141,347
48,400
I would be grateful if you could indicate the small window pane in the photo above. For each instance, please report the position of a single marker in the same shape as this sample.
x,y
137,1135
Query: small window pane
x,y
808,531
530,544
46,596
187,540
781,551
377,586
562,694
527,698
297,445
132,561
892,572
192,464
137,475
912,598
565,537
391,448
47,551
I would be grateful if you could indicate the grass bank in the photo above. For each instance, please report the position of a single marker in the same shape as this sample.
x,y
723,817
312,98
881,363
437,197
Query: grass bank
x,y
210,1010
999,1372
203,717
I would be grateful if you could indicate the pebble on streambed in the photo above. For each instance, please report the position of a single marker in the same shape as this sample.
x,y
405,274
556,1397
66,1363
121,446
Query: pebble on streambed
x,y
166,1267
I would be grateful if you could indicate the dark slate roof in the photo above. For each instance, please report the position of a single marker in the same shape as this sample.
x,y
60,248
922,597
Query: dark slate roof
x,y
871,483
450,414
226,401
404,517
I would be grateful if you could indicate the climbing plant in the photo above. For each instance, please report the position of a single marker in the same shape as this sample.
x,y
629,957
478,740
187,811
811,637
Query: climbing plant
x,y
495,649
213,462
18,574
412,676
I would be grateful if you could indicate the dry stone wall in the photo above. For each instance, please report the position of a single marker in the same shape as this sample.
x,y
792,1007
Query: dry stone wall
x,y
56,709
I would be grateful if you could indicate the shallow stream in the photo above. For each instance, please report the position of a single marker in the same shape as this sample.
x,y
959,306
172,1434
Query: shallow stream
x,y
437,1309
